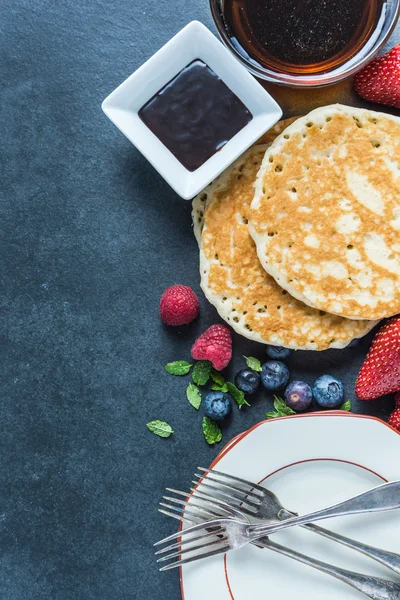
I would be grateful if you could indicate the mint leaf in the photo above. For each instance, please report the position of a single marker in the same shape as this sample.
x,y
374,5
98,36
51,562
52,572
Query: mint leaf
x,y
219,388
193,395
219,384
253,363
179,367
272,415
237,395
282,408
160,428
217,377
201,372
346,406
211,431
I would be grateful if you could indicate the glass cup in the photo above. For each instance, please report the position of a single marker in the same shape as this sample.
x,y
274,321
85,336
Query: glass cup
x,y
387,22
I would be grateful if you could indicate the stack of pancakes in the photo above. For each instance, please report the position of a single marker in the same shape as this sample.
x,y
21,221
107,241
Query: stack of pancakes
x,y
300,238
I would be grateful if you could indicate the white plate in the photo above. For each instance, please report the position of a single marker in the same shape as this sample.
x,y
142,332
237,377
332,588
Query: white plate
x,y
193,42
309,461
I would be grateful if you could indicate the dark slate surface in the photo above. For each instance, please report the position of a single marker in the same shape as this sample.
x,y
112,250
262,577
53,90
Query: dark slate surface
x,y
90,237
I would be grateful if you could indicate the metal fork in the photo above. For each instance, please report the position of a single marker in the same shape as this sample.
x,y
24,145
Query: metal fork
x,y
259,503
232,533
198,509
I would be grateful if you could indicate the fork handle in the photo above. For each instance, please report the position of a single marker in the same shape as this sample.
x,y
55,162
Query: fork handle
x,y
383,497
388,559
373,587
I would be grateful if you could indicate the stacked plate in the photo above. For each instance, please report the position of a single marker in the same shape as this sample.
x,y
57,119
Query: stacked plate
x,y
330,457
299,238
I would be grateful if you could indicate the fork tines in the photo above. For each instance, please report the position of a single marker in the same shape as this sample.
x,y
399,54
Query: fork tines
x,y
195,508
211,542
215,498
237,492
232,478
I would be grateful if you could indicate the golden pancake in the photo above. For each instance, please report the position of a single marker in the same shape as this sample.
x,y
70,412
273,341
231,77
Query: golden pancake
x,y
234,281
326,212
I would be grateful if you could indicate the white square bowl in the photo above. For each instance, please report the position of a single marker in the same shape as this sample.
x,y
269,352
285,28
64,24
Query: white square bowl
x,y
193,42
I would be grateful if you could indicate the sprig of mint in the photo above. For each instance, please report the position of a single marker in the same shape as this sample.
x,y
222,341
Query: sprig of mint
x,y
237,395
217,377
346,406
253,363
219,384
179,367
219,388
160,428
211,431
281,409
201,372
193,395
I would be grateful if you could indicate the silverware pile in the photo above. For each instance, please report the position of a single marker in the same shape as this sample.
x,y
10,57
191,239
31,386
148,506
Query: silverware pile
x,y
226,513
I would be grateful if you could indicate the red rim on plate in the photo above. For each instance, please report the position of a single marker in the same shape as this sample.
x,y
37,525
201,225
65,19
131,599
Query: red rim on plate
x,y
234,441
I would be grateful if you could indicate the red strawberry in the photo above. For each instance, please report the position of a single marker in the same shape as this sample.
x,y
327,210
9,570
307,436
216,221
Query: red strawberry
x,y
214,345
179,305
394,419
397,399
380,373
379,81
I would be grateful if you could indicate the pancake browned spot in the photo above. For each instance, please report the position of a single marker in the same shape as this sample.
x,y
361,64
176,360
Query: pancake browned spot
x,y
234,281
326,212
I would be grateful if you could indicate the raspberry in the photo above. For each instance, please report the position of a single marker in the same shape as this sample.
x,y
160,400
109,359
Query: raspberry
x,y
179,305
214,345
394,419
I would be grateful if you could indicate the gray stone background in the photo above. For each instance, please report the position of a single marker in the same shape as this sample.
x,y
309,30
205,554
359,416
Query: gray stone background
x,y
90,237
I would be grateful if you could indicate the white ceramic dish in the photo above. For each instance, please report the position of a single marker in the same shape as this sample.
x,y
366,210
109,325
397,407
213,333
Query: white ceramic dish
x,y
195,41
309,461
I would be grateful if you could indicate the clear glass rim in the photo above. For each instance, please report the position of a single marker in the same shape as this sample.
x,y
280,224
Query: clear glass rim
x,y
331,77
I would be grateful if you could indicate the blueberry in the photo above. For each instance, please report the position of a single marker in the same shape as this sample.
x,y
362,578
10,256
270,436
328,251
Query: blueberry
x,y
328,391
298,395
247,380
278,352
274,375
217,405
